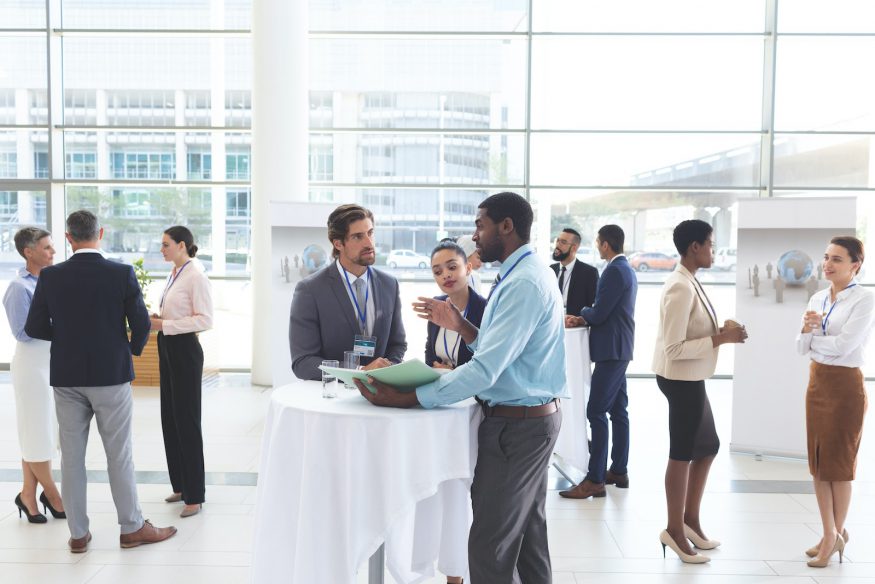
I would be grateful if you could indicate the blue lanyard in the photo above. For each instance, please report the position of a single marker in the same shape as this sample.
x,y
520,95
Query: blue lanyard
x,y
170,282
458,338
500,280
363,316
828,314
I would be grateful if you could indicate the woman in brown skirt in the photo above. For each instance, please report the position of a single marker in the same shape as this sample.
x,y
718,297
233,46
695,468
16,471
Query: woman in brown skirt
x,y
834,333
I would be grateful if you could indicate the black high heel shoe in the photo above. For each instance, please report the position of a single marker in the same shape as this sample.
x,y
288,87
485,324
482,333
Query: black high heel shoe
x,y
55,513
35,518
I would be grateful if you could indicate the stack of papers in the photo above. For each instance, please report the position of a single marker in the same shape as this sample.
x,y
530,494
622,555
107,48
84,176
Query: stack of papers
x,y
405,376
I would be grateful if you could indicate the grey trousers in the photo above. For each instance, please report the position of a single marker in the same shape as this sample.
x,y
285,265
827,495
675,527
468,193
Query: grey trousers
x,y
112,406
508,539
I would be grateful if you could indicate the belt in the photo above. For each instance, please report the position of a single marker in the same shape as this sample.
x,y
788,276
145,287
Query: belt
x,y
546,409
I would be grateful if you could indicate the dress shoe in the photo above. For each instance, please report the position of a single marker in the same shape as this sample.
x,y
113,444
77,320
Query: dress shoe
x,y
699,541
812,551
31,518
585,490
47,505
621,481
146,534
838,546
174,498
666,539
79,545
190,510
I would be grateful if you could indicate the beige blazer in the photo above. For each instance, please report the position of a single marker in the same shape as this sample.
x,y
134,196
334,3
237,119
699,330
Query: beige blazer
x,y
684,350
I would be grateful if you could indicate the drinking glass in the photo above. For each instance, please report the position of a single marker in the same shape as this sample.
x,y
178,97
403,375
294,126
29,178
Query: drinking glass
x,y
329,381
350,361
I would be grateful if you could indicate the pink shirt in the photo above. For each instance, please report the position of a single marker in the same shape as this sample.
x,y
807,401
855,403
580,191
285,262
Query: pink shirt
x,y
187,305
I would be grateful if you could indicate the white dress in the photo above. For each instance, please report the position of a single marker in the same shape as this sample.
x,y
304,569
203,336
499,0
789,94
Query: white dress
x,y
34,400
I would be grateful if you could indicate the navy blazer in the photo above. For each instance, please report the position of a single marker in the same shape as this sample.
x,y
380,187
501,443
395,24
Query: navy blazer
x,y
582,288
612,317
323,323
84,306
477,304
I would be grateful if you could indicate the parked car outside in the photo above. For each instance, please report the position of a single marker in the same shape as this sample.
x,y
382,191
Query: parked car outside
x,y
407,258
652,260
726,258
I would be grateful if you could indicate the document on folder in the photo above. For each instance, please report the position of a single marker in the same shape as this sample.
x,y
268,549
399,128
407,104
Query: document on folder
x,y
405,376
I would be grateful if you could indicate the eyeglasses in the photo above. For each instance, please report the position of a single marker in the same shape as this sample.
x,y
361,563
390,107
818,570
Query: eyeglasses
x,y
562,242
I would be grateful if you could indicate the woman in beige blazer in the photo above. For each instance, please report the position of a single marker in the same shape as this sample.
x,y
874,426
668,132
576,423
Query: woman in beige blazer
x,y
686,354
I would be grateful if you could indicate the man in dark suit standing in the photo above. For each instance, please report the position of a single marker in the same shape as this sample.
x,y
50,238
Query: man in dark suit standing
x,y
611,340
83,306
577,280
347,305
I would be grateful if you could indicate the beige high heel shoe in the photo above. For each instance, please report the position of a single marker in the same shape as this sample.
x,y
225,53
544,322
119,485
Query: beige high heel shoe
x,y
812,551
839,547
699,541
666,539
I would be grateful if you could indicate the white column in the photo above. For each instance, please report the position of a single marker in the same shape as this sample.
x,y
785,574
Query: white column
x,y
280,117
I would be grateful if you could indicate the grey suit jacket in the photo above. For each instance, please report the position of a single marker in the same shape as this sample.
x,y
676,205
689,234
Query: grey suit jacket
x,y
323,322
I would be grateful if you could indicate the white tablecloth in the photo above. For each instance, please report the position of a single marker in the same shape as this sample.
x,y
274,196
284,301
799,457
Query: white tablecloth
x,y
339,477
572,442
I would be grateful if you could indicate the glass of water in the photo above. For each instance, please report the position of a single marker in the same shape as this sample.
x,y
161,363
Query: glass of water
x,y
329,381
350,361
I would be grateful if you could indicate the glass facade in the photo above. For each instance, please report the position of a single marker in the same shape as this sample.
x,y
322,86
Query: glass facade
x,y
630,112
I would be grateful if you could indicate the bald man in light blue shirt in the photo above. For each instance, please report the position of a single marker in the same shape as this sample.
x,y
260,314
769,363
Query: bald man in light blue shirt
x,y
517,372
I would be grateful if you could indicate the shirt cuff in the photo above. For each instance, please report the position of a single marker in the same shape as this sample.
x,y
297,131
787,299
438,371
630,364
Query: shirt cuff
x,y
426,394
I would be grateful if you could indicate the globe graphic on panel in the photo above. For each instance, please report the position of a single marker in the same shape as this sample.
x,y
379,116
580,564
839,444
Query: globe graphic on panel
x,y
314,257
795,267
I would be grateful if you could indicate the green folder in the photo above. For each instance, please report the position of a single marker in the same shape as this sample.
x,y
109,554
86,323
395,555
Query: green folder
x,y
406,376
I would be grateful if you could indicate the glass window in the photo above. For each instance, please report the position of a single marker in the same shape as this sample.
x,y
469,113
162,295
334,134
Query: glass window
x,y
648,16
23,13
847,16
237,166
648,83
321,157
81,165
143,165
40,165
199,165
428,15
640,160
823,160
154,14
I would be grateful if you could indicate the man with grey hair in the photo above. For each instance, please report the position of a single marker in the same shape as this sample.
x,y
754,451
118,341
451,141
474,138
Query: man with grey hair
x,y
83,306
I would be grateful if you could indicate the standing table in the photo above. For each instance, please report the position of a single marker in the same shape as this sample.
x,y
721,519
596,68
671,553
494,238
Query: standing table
x,y
572,444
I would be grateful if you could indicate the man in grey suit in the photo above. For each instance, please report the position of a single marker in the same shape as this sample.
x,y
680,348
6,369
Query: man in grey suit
x,y
82,306
347,305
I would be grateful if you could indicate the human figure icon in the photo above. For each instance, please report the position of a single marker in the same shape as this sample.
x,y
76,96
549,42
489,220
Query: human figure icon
x,y
756,282
779,289
819,271
756,270
811,286
296,260
749,280
286,270
769,270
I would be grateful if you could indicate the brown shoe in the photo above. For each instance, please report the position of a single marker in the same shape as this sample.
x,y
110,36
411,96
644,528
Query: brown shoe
x,y
146,534
621,481
79,545
584,490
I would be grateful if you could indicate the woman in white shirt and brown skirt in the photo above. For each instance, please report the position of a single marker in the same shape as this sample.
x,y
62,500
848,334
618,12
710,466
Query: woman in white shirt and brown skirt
x,y
186,309
835,329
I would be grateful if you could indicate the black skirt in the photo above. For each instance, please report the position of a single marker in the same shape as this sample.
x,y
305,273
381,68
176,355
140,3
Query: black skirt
x,y
691,428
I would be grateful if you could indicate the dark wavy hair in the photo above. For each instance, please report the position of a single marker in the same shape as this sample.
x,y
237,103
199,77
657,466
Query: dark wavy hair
x,y
853,246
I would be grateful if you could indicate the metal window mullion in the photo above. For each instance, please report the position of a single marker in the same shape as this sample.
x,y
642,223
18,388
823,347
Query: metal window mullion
x,y
55,208
528,128
767,141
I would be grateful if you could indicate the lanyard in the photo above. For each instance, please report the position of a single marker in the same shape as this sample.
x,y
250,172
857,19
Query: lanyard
x,y
458,338
827,314
363,316
506,274
170,282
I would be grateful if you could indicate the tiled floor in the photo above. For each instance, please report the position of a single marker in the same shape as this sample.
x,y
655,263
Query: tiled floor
x,y
611,540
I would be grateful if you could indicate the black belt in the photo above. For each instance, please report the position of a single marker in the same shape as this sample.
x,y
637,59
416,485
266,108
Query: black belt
x,y
541,411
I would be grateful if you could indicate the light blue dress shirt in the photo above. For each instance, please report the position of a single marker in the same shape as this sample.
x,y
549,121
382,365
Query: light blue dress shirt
x,y
17,301
519,353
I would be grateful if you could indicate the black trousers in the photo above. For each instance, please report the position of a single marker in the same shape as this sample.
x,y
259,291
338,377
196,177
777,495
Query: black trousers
x,y
181,360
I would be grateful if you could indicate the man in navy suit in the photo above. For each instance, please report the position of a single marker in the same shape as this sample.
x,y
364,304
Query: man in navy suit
x,y
84,306
611,340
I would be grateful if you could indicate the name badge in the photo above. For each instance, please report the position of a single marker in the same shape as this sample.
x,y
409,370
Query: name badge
x,y
365,346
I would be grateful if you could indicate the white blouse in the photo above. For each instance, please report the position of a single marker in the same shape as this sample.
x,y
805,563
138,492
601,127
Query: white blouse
x,y
448,354
187,301
848,322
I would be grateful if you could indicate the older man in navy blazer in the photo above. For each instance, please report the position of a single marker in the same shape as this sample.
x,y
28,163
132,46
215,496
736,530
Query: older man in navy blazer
x,y
611,340
84,306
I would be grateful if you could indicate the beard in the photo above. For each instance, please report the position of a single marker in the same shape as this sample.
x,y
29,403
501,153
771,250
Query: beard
x,y
559,256
490,253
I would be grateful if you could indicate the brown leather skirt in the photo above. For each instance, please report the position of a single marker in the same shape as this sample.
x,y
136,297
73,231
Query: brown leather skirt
x,y
835,405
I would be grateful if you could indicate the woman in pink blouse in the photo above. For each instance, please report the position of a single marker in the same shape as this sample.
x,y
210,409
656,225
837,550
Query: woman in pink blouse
x,y
186,309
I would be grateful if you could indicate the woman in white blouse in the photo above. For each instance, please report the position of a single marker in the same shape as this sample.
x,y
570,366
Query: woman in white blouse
x,y
186,309
834,333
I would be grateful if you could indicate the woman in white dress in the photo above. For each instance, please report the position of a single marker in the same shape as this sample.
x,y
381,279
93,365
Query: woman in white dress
x,y
34,401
